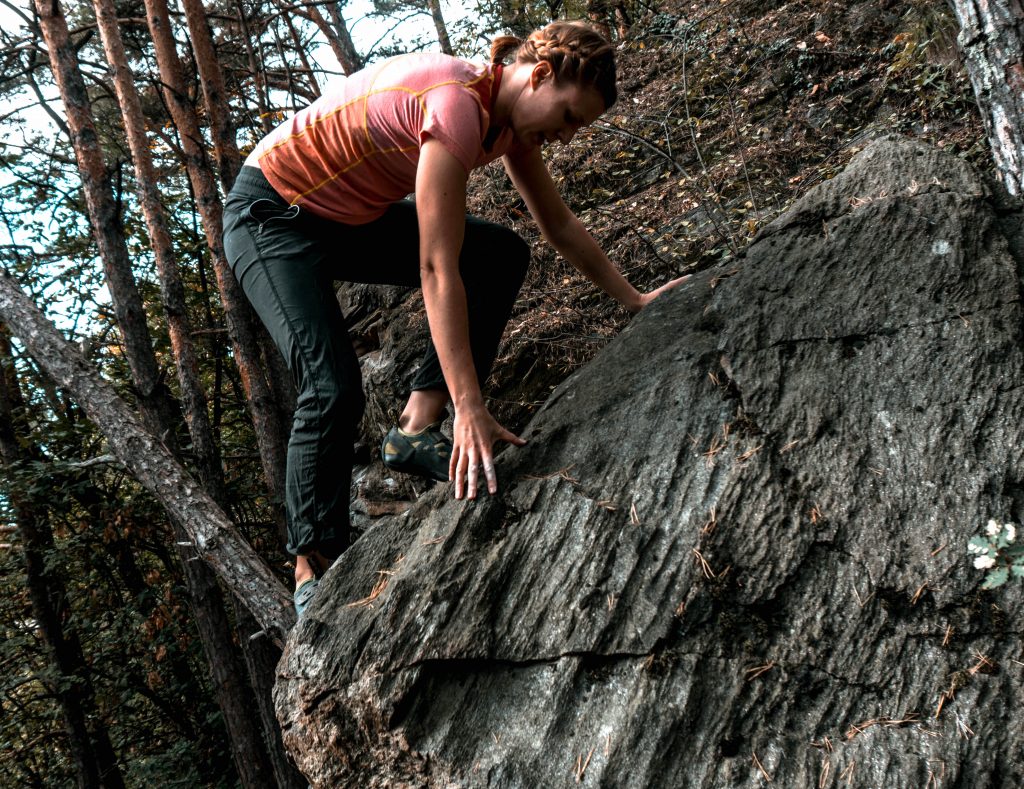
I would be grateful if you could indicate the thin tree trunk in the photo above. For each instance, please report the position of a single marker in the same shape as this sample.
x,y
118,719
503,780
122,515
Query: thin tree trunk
x,y
213,333
95,761
233,694
261,659
440,26
257,73
992,40
213,536
300,50
288,78
337,36
270,433
225,148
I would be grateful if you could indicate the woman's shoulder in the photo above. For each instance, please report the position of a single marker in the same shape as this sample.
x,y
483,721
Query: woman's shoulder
x,y
421,71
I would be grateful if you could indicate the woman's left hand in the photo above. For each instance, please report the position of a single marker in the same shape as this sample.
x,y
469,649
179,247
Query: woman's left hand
x,y
647,298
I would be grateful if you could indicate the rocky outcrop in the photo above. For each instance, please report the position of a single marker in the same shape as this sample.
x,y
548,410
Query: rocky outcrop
x,y
734,549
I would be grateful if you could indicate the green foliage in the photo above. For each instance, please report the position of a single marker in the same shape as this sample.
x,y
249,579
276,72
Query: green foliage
x,y
997,552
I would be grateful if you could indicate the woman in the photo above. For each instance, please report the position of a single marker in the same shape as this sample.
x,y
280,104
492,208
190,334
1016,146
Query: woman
x,y
320,199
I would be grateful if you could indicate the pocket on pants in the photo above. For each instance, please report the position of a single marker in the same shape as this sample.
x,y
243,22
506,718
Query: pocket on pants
x,y
264,211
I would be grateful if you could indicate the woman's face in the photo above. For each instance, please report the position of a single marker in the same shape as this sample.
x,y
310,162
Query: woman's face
x,y
550,111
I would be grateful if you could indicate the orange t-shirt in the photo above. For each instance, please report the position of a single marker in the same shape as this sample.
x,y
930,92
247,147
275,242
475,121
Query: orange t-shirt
x,y
354,151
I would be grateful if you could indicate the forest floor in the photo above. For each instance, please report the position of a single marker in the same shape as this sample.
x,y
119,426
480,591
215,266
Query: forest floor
x,y
725,117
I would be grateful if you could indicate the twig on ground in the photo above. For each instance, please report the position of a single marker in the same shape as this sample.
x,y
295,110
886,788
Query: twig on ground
x,y
581,765
378,587
920,591
704,566
710,524
757,671
860,728
760,767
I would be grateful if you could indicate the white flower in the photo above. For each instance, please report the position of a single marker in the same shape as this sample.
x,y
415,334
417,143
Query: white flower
x,y
984,562
993,528
977,549
1011,532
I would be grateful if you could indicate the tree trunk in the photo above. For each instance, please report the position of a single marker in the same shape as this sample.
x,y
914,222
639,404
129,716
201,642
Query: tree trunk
x,y
338,36
95,761
261,658
233,694
270,432
440,26
992,40
206,596
300,50
259,81
225,148
213,536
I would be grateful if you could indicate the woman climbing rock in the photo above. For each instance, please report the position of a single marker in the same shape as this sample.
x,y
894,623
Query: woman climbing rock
x,y
321,199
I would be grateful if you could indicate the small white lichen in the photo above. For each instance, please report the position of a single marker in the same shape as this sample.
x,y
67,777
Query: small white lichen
x,y
984,562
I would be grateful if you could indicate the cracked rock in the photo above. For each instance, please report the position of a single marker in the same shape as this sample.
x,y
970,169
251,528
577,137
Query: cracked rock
x,y
735,545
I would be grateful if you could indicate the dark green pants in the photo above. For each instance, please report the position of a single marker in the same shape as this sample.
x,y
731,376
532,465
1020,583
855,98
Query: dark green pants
x,y
286,261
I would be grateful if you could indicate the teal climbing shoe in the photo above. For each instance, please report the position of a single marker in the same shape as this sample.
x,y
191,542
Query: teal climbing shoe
x,y
425,454
303,595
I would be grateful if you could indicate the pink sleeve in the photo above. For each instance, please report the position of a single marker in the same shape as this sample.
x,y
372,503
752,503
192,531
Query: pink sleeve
x,y
453,117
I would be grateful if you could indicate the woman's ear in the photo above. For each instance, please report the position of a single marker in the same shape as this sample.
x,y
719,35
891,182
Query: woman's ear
x,y
540,72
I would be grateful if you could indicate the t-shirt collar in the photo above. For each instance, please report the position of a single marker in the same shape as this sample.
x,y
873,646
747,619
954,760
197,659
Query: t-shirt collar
x,y
494,131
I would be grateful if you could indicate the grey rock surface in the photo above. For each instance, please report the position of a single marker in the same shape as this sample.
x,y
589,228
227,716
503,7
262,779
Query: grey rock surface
x,y
735,545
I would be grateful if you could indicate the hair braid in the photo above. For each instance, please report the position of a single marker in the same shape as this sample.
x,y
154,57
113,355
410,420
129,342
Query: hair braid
x,y
575,50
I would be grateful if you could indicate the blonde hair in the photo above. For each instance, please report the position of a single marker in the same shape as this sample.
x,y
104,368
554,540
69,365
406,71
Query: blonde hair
x,y
575,50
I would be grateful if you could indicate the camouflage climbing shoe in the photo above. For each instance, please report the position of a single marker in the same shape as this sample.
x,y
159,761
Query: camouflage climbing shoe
x,y
425,454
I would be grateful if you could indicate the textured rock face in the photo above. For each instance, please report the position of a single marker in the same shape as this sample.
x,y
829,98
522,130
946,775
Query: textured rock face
x,y
735,546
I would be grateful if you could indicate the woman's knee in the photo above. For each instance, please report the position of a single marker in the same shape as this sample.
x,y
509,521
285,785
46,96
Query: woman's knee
x,y
519,253
330,404
498,244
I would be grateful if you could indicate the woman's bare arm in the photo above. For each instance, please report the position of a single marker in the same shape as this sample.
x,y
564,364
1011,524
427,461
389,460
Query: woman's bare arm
x,y
566,233
441,208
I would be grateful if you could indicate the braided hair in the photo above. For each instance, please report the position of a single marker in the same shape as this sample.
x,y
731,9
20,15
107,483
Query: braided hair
x,y
575,50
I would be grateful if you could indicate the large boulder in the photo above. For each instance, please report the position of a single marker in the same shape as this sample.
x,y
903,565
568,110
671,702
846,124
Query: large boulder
x,y
734,549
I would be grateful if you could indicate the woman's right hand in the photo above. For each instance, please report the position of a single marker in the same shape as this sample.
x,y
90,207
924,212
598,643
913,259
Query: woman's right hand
x,y
475,433
441,208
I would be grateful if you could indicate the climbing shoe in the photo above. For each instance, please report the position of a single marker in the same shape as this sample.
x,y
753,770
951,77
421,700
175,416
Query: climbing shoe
x,y
425,454
304,594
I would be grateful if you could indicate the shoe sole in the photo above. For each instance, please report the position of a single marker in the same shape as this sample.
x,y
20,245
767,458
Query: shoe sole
x,y
414,470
